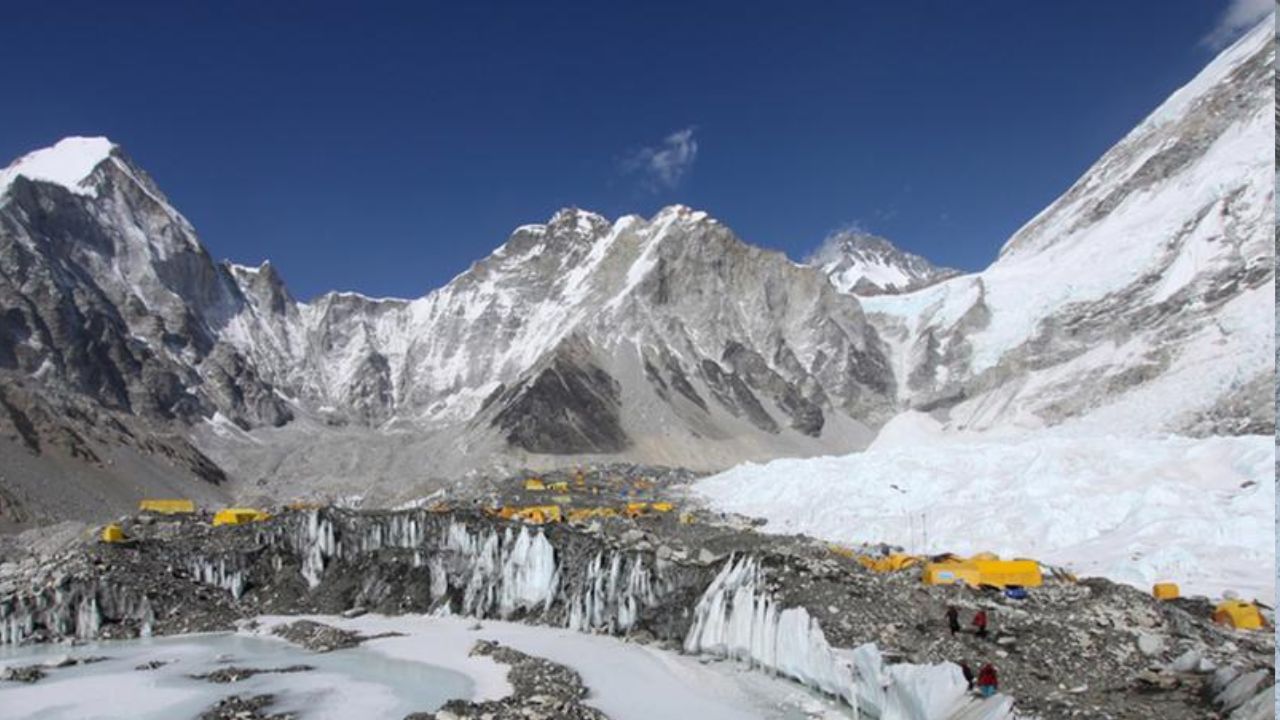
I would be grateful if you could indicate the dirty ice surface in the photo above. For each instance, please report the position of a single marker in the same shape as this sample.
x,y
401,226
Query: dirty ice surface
x,y
353,683
392,677
626,680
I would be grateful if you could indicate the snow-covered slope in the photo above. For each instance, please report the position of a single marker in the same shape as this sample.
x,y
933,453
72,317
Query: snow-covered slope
x,y
864,264
1138,305
1139,300
1200,512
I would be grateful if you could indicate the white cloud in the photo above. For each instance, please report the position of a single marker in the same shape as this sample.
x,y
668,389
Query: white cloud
x,y
664,166
1239,16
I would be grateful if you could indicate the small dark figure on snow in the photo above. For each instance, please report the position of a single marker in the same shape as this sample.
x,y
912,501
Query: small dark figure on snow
x,y
953,619
980,623
988,683
968,674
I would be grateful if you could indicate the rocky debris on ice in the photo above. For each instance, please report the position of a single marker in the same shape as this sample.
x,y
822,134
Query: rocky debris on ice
x,y
542,690
322,638
233,674
22,673
237,707
34,673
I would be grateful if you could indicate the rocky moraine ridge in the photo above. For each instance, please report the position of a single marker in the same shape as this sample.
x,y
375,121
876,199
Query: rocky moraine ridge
x,y
711,587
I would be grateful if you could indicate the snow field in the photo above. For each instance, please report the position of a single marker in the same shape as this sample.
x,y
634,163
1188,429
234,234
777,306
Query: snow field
x,y
1199,512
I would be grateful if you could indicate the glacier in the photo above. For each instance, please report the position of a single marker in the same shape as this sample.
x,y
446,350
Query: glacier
x,y
1135,510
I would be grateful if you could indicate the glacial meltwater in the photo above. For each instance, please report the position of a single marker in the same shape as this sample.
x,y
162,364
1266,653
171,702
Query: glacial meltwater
x,y
351,683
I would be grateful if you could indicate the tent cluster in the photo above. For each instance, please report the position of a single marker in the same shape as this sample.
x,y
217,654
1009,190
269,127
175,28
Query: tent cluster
x,y
225,516
982,569
976,571
541,514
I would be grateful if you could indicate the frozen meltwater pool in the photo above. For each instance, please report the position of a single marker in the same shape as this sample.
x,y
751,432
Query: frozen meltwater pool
x,y
352,683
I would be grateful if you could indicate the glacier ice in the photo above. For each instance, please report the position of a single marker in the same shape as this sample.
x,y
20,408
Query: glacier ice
x,y
610,600
737,618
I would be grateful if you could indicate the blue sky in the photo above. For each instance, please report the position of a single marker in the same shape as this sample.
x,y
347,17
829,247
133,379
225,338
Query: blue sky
x,y
386,148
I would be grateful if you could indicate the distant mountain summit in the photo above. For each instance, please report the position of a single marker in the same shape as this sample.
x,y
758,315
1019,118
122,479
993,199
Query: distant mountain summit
x,y
864,264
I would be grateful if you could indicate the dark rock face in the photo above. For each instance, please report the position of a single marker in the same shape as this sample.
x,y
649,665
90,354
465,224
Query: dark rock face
x,y
371,396
572,406
806,414
87,308
736,397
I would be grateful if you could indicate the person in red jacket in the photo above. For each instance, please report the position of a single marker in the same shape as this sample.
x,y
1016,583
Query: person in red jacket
x,y
980,623
988,683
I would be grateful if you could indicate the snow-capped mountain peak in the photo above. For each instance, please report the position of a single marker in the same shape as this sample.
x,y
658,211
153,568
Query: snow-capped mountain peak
x,y
68,163
864,264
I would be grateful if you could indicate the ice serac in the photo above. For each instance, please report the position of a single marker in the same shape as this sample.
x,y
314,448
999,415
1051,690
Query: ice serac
x,y
738,618
1138,301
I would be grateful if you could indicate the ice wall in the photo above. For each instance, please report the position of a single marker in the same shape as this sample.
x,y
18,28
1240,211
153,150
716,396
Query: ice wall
x,y
71,609
221,573
737,618
489,570
501,573
613,592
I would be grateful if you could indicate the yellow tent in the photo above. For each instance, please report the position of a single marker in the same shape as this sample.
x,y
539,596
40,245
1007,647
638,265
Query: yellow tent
x,y
1165,590
538,514
950,573
238,516
1002,573
167,507
1238,614
974,572
583,514
534,484
113,533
